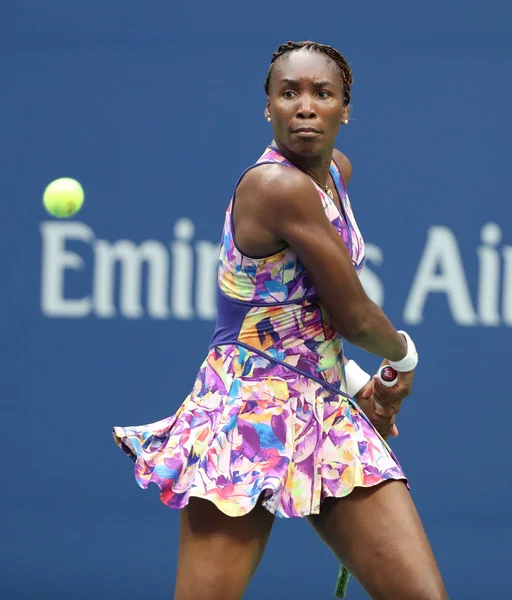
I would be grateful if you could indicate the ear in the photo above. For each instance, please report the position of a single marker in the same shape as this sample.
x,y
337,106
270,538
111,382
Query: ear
x,y
346,114
267,111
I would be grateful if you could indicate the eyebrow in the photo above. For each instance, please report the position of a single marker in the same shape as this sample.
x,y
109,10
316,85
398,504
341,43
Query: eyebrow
x,y
296,81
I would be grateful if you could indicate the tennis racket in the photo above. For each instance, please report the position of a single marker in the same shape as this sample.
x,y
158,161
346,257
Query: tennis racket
x,y
388,377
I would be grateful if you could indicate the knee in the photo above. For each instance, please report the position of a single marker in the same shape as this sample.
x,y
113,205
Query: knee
x,y
431,595
426,587
431,590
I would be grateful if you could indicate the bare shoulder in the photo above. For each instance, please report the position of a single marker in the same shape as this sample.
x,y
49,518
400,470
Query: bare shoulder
x,y
344,164
273,200
276,187
269,177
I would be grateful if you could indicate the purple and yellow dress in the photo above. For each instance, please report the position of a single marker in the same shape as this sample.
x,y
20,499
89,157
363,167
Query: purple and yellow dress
x,y
267,416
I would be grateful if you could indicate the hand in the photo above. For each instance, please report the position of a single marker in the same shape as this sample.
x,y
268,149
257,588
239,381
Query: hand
x,y
389,400
366,400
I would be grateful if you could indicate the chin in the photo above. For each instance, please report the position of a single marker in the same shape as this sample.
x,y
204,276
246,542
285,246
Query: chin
x,y
307,147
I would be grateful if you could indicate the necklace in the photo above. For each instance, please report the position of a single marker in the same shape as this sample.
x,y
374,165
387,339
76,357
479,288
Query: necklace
x,y
326,188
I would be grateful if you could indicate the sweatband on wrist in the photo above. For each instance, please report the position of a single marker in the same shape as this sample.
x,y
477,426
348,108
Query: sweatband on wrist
x,y
410,360
355,378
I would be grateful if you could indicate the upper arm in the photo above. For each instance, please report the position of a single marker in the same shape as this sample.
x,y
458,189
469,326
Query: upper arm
x,y
344,164
294,213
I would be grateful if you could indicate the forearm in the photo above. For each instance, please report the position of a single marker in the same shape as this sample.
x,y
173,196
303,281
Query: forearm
x,y
377,335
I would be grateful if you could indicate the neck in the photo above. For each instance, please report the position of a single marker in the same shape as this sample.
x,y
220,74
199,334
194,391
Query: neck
x,y
316,166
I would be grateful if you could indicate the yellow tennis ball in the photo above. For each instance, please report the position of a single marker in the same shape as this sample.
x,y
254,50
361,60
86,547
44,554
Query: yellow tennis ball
x,y
63,197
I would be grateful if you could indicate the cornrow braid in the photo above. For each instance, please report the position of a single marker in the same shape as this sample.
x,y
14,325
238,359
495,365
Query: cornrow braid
x,y
346,71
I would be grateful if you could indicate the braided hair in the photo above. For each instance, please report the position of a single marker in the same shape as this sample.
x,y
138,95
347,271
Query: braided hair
x,y
345,70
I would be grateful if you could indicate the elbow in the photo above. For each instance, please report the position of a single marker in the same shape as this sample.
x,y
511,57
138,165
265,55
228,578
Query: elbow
x,y
353,327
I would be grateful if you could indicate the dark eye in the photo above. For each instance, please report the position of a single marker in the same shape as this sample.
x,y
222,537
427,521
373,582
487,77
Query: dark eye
x,y
323,94
288,94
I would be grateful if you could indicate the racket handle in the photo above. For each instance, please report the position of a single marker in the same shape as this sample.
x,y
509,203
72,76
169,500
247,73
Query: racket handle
x,y
342,583
387,376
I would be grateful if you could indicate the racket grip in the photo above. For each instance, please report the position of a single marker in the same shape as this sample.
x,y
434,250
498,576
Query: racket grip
x,y
387,376
342,582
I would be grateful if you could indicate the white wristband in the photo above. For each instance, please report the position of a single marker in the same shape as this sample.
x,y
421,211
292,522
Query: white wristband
x,y
410,360
355,378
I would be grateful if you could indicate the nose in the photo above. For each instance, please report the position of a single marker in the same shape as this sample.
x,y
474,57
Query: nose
x,y
305,109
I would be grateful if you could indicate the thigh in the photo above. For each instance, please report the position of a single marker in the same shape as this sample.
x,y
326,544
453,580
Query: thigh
x,y
377,534
219,554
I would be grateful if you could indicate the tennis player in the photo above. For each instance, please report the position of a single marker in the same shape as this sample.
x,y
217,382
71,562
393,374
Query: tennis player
x,y
278,422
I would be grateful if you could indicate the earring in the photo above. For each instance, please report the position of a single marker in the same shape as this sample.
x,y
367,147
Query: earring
x,y
345,121
269,119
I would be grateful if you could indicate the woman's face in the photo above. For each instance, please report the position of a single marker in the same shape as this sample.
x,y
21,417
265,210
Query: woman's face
x,y
306,102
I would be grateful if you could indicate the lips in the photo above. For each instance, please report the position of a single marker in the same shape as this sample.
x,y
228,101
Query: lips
x,y
307,130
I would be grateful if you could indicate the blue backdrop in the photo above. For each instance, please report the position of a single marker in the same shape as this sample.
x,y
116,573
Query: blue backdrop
x,y
156,108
